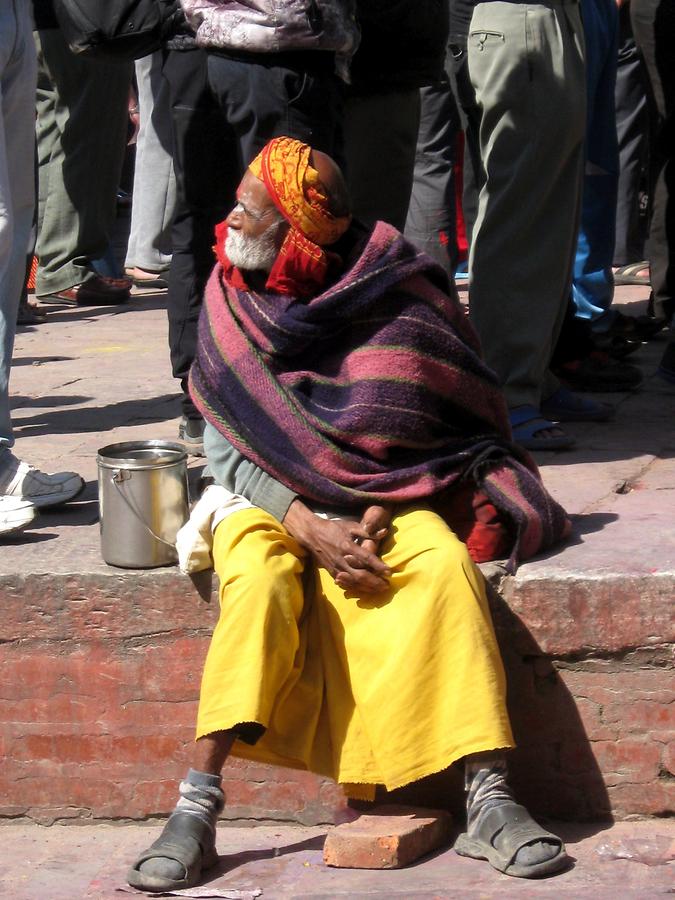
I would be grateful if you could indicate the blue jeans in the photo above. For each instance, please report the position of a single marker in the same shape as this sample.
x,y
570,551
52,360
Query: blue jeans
x,y
593,285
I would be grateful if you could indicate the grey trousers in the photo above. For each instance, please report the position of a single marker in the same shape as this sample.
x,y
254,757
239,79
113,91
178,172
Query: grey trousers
x,y
17,183
154,193
526,63
431,222
81,136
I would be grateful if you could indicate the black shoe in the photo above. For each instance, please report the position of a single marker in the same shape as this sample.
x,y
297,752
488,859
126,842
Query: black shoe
x,y
666,367
615,346
635,328
191,433
598,372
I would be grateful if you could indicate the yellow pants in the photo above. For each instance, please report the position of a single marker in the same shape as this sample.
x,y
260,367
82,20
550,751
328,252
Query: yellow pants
x,y
383,689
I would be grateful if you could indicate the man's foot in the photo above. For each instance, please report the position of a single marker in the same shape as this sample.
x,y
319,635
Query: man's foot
x,y
30,314
566,406
20,481
187,845
535,432
513,843
634,328
147,280
632,273
598,372
191,433
177,858
666,369
15,514
97,291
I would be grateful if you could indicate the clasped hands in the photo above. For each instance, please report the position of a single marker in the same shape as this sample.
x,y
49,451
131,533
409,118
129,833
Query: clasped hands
x,y
347,550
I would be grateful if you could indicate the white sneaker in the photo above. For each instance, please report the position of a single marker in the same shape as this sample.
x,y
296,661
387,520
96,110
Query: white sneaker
x,y
24,482
15,514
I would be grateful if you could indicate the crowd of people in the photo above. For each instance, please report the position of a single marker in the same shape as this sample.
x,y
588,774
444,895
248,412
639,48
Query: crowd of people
x,y
367,436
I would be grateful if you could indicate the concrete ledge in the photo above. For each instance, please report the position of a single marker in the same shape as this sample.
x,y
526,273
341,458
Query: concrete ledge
x,y
100,668
106,666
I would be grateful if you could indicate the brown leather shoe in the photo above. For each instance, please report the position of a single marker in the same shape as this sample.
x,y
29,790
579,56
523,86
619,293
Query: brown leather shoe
x,y
97,291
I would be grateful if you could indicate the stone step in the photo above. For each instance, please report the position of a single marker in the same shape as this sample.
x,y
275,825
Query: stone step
x,y
100,667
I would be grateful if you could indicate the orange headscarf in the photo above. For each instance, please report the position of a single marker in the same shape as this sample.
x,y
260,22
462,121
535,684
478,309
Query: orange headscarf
x,y
298,193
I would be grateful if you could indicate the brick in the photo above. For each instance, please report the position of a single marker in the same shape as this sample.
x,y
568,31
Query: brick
x,y
627,761
388,838
669,758
655,799
645,716
619,686
576,614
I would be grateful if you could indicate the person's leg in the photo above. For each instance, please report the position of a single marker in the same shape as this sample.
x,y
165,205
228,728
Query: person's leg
x,y
80,154
205,160
380,138
431,220
525,234
632,126
654,30
18,480
471,114
428,682
154,191
17,186
593,285
250,659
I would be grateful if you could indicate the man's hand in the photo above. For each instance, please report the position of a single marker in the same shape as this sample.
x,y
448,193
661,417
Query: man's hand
x,y
338,546
376,521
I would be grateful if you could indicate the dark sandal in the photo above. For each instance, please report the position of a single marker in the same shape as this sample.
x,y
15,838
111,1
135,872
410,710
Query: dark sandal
x,y
519,828
185,839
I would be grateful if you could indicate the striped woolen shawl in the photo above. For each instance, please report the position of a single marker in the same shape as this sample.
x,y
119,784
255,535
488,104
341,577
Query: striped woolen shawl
x,y
372,391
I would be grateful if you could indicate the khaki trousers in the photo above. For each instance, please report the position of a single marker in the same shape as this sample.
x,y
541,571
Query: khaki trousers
x,y
526,62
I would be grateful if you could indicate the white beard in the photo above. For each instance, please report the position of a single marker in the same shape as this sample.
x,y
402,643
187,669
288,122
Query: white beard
x,y
248,253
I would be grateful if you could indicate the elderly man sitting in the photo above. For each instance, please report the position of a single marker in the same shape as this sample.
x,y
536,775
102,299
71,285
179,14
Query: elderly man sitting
x,y
350,413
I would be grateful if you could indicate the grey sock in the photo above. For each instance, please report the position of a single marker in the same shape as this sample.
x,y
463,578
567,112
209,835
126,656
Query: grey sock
x,y
485,783
201,795
487,788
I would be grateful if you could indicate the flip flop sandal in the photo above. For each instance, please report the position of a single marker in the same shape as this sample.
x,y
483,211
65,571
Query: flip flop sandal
x,y
185,839
527,422
515,828
566,406
630,274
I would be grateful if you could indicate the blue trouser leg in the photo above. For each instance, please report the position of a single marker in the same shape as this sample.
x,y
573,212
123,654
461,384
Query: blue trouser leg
x,y
593,286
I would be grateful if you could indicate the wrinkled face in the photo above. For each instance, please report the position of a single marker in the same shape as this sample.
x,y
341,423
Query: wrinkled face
x,y
255,227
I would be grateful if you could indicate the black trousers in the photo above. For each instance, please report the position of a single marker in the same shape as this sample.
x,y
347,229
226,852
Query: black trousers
x,y
654,30
224,111
632,128
206,163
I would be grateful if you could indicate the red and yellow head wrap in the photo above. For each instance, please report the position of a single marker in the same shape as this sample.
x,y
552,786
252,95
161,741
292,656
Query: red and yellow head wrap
x,y
302,266
297,191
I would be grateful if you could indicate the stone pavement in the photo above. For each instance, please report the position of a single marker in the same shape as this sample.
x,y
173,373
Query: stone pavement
x,y
630,861
100,664
97,375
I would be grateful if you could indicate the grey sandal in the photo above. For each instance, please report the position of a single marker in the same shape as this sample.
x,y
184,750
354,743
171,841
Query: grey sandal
x,y
516,829
186,840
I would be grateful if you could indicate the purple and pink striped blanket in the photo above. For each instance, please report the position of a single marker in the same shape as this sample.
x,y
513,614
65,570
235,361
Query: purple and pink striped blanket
x,y
372,391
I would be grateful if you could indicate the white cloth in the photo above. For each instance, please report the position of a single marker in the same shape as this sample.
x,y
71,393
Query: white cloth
x,y
194,541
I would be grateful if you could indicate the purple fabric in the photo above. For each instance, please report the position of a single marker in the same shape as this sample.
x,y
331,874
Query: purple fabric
x,y
373,391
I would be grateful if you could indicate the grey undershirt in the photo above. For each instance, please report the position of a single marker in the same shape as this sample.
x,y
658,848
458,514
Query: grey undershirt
x,y
238,474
